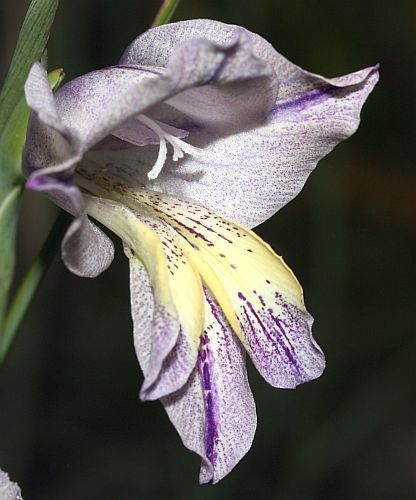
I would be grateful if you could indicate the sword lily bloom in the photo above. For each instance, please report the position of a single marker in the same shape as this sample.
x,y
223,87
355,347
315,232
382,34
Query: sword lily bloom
x,y
200,132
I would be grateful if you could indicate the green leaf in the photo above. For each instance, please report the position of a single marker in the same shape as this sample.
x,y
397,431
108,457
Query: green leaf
x,y
11,186
8,225
30,47
11,145
165,13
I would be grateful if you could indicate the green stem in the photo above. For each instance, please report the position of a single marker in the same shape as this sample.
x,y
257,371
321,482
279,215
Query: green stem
x,y
165,13
30,283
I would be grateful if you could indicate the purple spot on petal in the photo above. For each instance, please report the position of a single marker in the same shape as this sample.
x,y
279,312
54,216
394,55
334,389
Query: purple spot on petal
x,y
35,183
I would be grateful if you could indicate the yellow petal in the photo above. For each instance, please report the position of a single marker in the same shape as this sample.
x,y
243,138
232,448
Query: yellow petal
x,y
258,293
253,286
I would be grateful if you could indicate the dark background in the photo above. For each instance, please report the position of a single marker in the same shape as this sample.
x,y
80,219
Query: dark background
x,y
72,426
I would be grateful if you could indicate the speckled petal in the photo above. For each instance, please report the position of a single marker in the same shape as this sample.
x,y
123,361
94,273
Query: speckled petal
x,y
167,328
154,47
238,94
86,250
247,176
214,412
94,105
258,293
40,99
8,489
50,144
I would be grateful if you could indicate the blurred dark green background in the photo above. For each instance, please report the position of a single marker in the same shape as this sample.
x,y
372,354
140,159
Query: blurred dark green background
x,y
72,426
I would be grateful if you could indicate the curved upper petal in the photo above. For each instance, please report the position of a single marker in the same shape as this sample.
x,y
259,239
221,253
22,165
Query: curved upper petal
x,y
50,144
248,175
238,94
93,105
154,47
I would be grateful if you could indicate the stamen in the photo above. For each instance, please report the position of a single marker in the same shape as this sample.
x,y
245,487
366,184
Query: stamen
x,y
161,158
179,146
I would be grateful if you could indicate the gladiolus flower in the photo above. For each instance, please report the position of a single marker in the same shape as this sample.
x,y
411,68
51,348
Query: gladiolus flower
x,y
200,132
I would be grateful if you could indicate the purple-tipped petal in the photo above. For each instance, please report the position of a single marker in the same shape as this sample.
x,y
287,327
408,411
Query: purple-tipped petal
x,y
8,489
214,413
86,250
259,294
279,337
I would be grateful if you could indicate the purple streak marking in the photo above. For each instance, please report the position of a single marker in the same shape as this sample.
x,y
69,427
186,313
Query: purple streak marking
x,y
195,233
181,224
211,427
207,379
209,229
253,330
303,101
215,313
273,339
